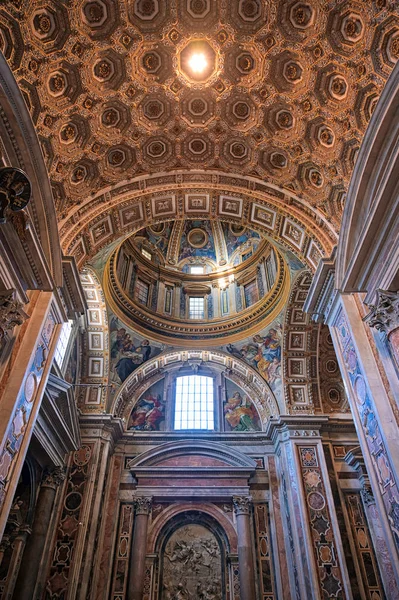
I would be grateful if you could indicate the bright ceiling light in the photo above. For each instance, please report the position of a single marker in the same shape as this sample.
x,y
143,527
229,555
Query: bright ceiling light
x,y
197,63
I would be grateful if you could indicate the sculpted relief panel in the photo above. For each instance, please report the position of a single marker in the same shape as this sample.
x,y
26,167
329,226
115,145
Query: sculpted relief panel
x,y
192,565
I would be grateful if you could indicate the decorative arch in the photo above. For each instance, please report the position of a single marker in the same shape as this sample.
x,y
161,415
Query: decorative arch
x,y
237,370
171,512
125,208
93,394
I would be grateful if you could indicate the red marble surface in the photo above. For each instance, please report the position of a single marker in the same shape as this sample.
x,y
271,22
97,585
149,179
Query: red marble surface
x,y
111,520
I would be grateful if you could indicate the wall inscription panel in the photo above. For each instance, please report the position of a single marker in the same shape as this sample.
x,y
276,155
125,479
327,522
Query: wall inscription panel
x,y
192,565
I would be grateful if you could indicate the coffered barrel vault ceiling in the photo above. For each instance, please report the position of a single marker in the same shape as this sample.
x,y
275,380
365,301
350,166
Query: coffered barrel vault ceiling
x,y
290,93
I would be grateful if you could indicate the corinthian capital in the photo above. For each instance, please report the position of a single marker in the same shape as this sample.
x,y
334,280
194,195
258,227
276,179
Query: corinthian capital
x,y
384,315
242,505
143,505
11,312
367,495
53,478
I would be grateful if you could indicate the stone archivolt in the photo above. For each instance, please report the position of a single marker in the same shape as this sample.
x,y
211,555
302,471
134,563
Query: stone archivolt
x,y
116,65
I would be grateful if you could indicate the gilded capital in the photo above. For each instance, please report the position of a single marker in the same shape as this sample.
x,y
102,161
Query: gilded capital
x,y
143,505
242,505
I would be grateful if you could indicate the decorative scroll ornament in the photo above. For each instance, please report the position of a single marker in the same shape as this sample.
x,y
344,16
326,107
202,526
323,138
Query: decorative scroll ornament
x,y
367,495
384,315
53,478
15,191
242,505
143,505
11,312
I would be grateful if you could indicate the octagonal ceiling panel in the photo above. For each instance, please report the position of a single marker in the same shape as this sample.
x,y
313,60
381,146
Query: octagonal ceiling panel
x,y
291,94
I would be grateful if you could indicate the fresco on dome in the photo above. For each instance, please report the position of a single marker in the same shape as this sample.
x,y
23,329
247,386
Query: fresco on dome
x,y
237,236
293,262
149,412
99,261
199,243
263,353
158,235
239,412
127,350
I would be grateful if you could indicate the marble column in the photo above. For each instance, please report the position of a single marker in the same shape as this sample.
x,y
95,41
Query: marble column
x,y
33,552
139,548
242,509
16,560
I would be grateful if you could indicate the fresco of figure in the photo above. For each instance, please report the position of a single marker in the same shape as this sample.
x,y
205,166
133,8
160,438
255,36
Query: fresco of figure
x,y
127,353
240,413
263,353
133,356
148,414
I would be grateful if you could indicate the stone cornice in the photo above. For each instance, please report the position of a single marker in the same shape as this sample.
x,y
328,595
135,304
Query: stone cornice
x,y
101,425
322,292
295,426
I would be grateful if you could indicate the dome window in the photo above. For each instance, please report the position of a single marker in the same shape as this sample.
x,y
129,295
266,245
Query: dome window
x,y
197,270
196,307
142,290
146,254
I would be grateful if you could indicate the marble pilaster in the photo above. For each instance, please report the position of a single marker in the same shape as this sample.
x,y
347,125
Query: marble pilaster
x,y
143,507
242,508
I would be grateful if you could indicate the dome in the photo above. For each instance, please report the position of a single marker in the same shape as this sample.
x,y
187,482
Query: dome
x,y
197,279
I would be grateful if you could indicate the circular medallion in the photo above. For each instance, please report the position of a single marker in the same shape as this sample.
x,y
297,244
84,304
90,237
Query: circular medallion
x,y
73,501
82,456
30,387
316,501
197,238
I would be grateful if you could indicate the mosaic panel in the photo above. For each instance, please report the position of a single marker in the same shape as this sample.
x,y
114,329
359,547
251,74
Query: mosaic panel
x,y
324,545
69,523
364,548
122,551
263,542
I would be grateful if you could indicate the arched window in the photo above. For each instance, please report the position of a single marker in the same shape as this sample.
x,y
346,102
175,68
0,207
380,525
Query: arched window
x,y
194,404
